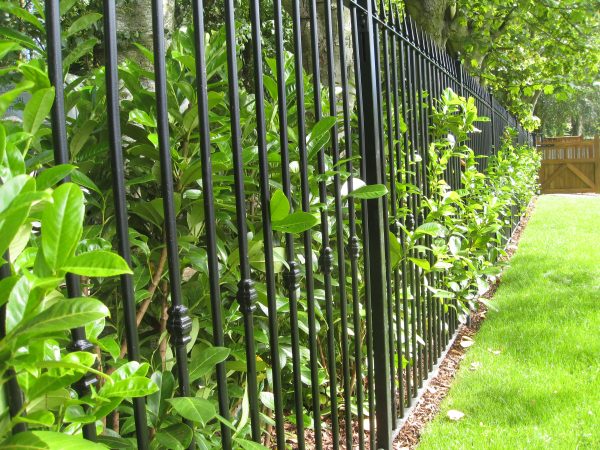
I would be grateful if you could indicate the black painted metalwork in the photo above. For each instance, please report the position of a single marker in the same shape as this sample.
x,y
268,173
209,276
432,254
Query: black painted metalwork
x,y
373,327
116,153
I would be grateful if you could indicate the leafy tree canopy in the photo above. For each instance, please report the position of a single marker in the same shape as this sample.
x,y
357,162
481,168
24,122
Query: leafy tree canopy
x,y
520,48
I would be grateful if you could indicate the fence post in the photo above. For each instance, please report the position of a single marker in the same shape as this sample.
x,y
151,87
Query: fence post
x,y
377,228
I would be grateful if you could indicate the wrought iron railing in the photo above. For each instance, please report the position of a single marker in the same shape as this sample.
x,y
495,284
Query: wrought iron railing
x,y
375,316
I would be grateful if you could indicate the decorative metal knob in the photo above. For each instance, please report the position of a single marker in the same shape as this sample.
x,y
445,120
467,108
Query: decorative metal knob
x,y
246,296
291,277
179,325
354,247
326,260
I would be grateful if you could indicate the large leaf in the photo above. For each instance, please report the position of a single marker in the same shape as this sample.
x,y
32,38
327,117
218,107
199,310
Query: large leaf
x,y
11,222
194,409
12,188
49,177
432,229
62,225
130,387
64,315
395,250
37,109
369,192
296,222
205,361
48,440
319,135
280,206
98,263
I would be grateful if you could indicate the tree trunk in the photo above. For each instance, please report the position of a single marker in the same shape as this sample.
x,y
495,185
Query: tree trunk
x,y
434,16
134,25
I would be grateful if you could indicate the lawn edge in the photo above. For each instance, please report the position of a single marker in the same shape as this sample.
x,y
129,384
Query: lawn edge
x,y
426,405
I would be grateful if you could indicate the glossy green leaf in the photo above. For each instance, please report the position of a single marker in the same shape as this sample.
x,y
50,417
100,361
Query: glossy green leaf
x,y
432,229
37,109
194,408
18,298
422,263
43,418
62,225
50,177
134,386
97,263
48,440
296,222
142,118
204,362
280,206
13,187
369,192
64,315
395,250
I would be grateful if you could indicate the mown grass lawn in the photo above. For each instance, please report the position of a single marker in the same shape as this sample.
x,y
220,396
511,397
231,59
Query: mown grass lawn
x,y
536,383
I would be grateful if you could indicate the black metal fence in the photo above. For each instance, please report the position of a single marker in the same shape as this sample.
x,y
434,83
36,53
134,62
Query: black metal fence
x,y
383,333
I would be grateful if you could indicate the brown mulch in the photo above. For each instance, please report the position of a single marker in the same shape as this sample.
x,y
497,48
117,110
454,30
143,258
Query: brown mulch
x,y
429,404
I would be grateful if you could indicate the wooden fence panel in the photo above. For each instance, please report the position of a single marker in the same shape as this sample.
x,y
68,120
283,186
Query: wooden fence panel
x,y
570,164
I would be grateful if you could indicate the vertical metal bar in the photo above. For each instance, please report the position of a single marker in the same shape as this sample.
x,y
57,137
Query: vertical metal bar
x,y
120,204
417,181
411,219
394,156
326,254
376,230
209,214
265,197
433,96
358,64
307,235
326,258
246,295
424,115
407,266
339,219
384,121
179,323
79,341
292,274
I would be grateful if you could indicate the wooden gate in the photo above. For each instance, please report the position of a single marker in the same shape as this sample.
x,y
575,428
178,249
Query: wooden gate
x,y
570,164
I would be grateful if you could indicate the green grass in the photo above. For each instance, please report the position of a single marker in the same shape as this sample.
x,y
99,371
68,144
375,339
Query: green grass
x,y
542,391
